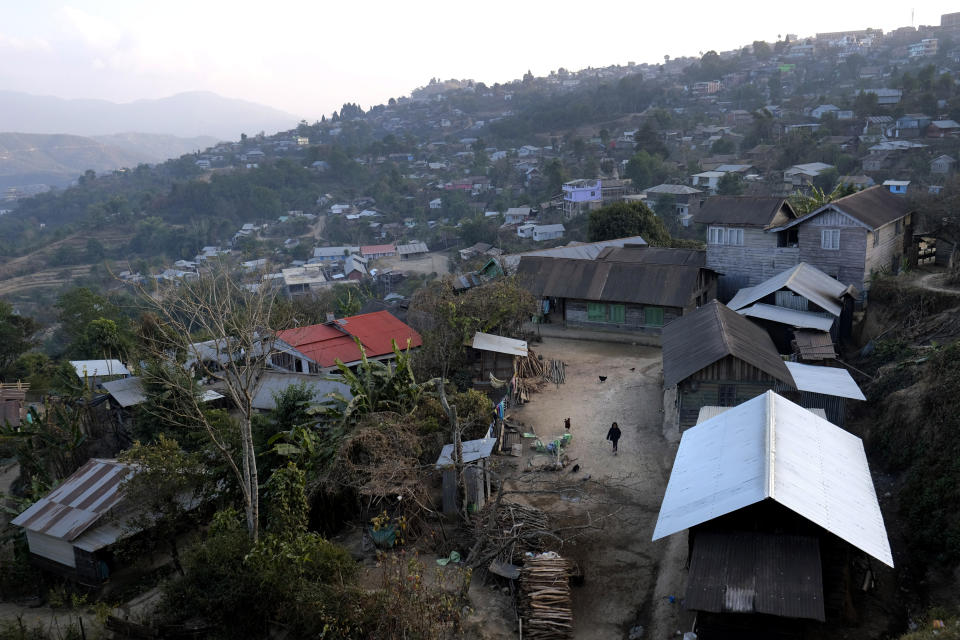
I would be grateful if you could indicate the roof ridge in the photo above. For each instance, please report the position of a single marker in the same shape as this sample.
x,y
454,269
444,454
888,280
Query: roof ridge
x,y
723,326
771,445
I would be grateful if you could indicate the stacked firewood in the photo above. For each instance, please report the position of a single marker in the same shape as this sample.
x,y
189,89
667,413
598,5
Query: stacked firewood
x,y
556,372
528,376
506,531
529,366
545,602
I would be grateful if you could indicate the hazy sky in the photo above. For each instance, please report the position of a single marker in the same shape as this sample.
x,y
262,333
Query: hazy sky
x,y
309,57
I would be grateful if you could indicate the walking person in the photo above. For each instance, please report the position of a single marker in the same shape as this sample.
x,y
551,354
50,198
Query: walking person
x,y
566,424
614,435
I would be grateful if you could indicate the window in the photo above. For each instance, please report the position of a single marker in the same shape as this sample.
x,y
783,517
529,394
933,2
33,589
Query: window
x,y
727,395
876,237
715,235
596,312
735,237
830,239
899,228
618,313
788,238
653,316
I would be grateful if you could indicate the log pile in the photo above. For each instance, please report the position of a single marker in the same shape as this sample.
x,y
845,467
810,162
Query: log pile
x,y
506,531
556,372
528,376
545,601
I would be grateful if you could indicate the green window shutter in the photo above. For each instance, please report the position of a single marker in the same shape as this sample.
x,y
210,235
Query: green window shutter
x,y
596,312
653,316
618,313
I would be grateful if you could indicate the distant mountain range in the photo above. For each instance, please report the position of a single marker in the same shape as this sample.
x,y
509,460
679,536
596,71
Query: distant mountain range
x,y
197,113
57,159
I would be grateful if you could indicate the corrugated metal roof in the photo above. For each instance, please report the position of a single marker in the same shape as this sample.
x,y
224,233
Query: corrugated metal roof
x,y
791,317
79,502
413,247
872,207
831,381
752,572
755,211
472,450
644,254
653,284
126,391
803,279
328,342
709,412
499,344
769,447
273,383
712,332
99,368
577,251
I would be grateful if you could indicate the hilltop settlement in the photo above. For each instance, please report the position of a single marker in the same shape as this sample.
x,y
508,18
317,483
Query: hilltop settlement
x,y
645,351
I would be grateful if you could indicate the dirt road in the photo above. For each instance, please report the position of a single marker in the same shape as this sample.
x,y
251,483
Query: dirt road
x,y
619,561
434,262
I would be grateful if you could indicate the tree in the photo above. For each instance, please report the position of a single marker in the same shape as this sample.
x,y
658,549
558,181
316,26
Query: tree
x,y
865,104
723,146
236,325
648,140
16,335
731,184
762,50
166,488
646,170
624,219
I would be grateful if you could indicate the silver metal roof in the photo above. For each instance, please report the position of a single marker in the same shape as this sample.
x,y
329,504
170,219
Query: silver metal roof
x,y
769,447
79,502
127,391
273,383
831,381
803,279
99,368
710,411
412,247
792,317
489,342
472,450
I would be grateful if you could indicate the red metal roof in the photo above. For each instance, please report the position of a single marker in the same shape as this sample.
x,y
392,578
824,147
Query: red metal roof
x,y
327,343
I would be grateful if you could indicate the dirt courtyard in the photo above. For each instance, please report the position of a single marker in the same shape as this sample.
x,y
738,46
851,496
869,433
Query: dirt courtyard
x,y
435,262
628,578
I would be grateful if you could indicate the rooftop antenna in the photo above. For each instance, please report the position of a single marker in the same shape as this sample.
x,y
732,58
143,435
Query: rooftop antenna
x,y
911,18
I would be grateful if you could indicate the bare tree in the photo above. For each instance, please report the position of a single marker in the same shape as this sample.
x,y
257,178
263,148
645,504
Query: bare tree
x,y
214,331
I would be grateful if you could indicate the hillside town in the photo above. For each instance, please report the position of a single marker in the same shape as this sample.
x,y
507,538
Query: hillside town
x,y
643,351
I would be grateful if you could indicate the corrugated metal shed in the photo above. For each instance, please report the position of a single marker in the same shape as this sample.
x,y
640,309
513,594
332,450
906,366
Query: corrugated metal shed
x,y
79,502
653,284
712,332
750,572
489,342
473,450
803,279
99,368
830,381
769,447
273,383
411,248
790,317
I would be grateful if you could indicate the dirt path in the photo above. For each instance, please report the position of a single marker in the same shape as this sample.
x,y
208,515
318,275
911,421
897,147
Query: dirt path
x,y
619,561
931,282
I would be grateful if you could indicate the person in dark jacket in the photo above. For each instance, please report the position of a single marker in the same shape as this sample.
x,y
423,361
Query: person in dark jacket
x,y
614,435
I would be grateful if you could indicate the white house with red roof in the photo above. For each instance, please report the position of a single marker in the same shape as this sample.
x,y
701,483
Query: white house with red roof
x,y
318,347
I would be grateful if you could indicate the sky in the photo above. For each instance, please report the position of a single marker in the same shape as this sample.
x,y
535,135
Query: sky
x,y
309,57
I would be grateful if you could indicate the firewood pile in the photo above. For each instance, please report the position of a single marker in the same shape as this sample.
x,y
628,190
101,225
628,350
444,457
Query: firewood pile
x,y
528,376
506,531
545,597
556,372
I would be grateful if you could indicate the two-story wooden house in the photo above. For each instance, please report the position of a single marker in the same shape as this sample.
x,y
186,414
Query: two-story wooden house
x,y
854,237
740,245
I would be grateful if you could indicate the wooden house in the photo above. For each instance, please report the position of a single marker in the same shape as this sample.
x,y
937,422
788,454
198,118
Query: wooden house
x,y
856,236
775,502
739,245
715,356
636,289
12,399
